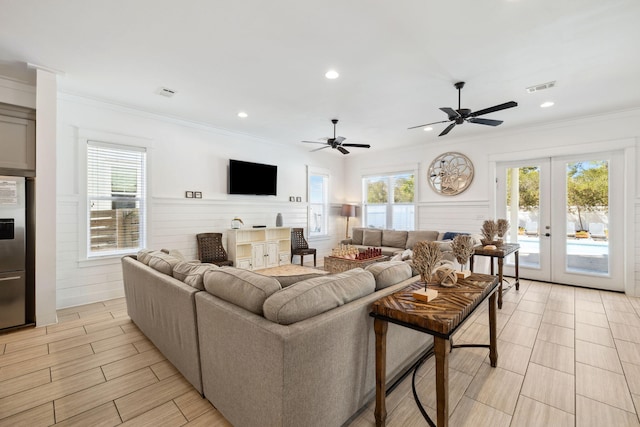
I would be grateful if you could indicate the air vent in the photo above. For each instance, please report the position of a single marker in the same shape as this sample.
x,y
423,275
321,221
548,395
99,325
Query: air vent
x,y
166,92
542,86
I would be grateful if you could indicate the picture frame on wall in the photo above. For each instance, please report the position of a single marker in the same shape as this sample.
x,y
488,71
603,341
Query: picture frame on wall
x,y
188,194
197,195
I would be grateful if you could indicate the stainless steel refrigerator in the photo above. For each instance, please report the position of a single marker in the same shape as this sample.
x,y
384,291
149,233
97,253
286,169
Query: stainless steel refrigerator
x,y
12,252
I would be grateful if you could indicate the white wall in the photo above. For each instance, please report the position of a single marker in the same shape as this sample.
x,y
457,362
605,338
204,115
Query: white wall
x,y
182,156
467,211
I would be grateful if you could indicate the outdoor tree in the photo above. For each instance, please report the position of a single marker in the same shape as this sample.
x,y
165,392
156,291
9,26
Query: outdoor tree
x,y
528,188
377,192
587,188
403,190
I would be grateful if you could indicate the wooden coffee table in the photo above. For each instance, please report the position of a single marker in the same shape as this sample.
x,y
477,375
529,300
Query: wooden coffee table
x,y
334,264
440,317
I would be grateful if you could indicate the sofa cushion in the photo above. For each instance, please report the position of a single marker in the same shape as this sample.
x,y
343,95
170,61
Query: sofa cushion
x,y
372,237
420,235
290,280
243,288
394,238
144,255
162,262
315,296
192,273
357,236
389,273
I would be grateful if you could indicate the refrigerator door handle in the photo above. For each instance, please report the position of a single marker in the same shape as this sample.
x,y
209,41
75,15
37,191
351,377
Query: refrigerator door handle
x,y
4,279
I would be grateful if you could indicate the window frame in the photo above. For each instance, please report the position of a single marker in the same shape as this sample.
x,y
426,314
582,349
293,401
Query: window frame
x,y
390,177
86,137
326,176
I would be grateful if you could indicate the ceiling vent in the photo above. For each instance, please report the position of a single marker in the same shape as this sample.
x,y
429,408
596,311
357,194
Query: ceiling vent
x,y
166,92
542,86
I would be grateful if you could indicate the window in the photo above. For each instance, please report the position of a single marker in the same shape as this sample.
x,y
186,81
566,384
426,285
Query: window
x,y
318,202
116,198
389,201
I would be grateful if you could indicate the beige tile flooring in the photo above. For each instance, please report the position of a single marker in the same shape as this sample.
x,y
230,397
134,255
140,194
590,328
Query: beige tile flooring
x,y
567,357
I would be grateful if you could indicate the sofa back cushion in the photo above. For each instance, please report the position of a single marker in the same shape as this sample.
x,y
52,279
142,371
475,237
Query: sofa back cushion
x,y
372,237
394,238
192,273
315,296
162,262
144,255
389,273
420,235
357,233
243,288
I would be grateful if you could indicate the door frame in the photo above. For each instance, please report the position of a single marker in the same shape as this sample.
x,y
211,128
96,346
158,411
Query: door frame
x,y
631,181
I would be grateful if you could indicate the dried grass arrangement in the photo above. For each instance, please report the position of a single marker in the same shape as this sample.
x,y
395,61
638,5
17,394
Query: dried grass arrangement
x,y
426,256
489,230
502,227
462,246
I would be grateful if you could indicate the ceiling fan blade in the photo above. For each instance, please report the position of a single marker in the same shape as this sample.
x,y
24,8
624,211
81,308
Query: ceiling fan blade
x,y
447,129
429,124
451,113
342,150
504,106
321,148
357,145
315,142
485,121
339,139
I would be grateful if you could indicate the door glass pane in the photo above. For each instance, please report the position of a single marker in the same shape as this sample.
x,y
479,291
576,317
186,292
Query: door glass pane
x,y
588,217
523,209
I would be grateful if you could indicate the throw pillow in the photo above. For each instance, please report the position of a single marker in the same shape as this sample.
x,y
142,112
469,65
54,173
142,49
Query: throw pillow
x,y
144,255
389,273
420,235
315,296
243,288
192,273
357,236
162,262
449,235
394,238
372,238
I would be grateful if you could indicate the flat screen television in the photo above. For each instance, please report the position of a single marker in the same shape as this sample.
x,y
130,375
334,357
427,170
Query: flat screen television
x,y
252,178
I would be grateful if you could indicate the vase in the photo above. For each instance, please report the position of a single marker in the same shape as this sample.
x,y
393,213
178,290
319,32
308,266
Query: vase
x,y
279,220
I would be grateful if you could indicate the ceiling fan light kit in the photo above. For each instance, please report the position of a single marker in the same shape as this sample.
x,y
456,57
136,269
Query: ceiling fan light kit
x,y
337,142
461,115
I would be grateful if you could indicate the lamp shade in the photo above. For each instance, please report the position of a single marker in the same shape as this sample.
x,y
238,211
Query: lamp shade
x,y
348,210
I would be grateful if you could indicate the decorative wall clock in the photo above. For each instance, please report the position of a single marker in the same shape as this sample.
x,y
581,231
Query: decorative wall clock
x,y
450,173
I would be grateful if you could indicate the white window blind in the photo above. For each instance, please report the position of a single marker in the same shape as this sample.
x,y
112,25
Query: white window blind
x,y
116,198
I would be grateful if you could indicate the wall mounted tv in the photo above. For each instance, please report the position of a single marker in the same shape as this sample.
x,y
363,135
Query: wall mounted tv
x,y
252,178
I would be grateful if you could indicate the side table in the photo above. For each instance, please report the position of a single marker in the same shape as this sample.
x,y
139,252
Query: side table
x,y
500,253
440,317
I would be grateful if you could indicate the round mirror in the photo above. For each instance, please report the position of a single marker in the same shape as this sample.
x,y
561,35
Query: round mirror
x,y
450,173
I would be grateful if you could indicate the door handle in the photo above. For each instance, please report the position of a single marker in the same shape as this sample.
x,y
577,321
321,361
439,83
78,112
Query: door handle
x,y
547,234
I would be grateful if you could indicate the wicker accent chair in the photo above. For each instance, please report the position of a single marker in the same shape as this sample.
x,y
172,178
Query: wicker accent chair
x,y
299,246
210,249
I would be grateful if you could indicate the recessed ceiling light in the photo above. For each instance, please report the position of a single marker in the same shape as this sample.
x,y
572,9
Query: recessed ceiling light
x,y
547,104
242,114
332,74
428,129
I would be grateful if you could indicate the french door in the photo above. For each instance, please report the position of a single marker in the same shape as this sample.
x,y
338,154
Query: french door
x,y
567,215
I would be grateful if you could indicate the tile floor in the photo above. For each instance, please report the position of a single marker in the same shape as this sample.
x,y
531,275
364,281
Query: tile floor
x,y
567,357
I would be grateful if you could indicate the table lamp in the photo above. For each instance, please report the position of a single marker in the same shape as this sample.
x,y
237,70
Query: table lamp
x,y
348,211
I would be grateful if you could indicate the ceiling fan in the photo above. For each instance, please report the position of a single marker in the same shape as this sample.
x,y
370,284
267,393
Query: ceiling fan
x,y
461,115
336,142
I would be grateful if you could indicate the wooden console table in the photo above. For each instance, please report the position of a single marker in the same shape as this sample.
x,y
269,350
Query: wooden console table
x,y
440,317
500,253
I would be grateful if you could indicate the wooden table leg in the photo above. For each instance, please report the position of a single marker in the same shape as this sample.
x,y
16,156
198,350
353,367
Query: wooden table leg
x,y
493,335
380,328
500,264
442,381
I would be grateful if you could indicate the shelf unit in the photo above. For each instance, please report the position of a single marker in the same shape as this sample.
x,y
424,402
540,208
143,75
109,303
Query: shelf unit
x,y
256,248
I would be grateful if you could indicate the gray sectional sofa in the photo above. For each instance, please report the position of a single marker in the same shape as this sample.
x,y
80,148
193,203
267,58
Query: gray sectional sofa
x,y
267,354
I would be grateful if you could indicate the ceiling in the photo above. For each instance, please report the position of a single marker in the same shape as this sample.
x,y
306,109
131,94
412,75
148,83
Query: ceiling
x,y
397,61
